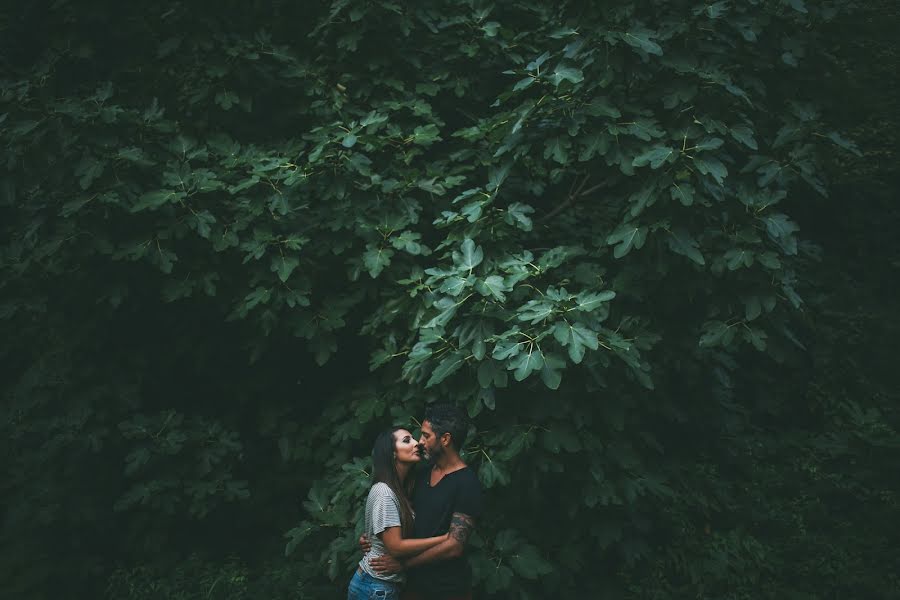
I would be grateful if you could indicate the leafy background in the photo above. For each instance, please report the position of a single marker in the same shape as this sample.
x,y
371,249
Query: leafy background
x,y
647,245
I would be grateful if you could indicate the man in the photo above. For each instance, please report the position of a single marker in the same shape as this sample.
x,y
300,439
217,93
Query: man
x,y
447,498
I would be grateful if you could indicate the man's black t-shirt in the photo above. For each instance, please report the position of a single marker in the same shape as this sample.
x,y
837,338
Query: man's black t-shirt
x,y
456,492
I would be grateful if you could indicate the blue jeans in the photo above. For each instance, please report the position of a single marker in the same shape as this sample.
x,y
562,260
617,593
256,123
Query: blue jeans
x,y
365,587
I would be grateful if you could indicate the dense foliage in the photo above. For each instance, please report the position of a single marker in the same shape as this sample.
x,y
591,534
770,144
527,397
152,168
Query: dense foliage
x,y
238,243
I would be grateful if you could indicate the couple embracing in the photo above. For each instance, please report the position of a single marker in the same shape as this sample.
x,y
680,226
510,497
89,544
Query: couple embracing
x,y
419,519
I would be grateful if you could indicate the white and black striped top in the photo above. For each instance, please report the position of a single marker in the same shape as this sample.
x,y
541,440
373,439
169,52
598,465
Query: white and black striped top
x,y
382,511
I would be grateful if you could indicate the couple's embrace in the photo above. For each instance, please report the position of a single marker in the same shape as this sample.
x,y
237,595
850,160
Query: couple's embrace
x,y
419,519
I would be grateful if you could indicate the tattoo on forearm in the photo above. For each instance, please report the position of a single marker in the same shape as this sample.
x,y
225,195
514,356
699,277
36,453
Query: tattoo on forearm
x,y
461,527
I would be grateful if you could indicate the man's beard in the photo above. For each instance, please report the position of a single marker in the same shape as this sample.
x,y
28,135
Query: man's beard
x,y
433,456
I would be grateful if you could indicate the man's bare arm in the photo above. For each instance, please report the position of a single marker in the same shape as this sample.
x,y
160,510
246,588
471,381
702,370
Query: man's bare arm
x,y
461,527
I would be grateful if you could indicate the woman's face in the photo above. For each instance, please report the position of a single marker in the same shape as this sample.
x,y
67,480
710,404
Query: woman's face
x,y
406,447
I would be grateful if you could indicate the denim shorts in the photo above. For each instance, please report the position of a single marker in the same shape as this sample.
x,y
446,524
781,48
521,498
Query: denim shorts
x,y
365,587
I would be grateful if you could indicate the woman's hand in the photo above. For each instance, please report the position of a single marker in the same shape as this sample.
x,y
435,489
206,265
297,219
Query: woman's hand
x,y
364,544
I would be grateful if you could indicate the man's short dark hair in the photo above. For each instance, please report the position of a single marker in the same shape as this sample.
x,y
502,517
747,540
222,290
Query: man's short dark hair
x,y
446,418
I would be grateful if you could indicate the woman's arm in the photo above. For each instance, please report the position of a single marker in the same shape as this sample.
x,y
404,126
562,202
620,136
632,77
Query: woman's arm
x,y
398,546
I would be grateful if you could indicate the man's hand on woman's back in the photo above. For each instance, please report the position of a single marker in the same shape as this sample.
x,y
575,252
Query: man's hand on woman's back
x,y
386,564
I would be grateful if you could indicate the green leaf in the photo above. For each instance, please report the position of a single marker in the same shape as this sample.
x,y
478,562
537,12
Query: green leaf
x,y
284,266
844,143
497,175
781,229
494,286
643,198
491,474
244,185
506,349
447,308
551,373
523,114
684,193
227,99
476,335
469,256
791,294
769,260
373,118
681,242
643,41
490,28
453,285
535,311
600,107
134,155
744,135
297,535
491,375
155,199
557,148
753,308
768,172
70,208
757,337
517,214
655,157
682,94
449,365
717,9
552,378
536,63
426,135
557,255
575,338
710,143
260,295
521,85
87,170
581,338
408,241
570,74
525,363
709,165
431,186
716,333
790,132
528,563
626,237
589,301
737,258
562,32
376,259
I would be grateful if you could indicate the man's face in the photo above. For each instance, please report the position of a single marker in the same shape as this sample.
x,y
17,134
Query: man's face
x,y
429,442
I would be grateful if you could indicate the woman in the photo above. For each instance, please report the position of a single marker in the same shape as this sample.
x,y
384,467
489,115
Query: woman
x,y
389,515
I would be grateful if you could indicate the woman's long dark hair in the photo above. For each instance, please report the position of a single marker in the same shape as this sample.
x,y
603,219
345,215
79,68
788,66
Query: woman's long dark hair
x,y
384,471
